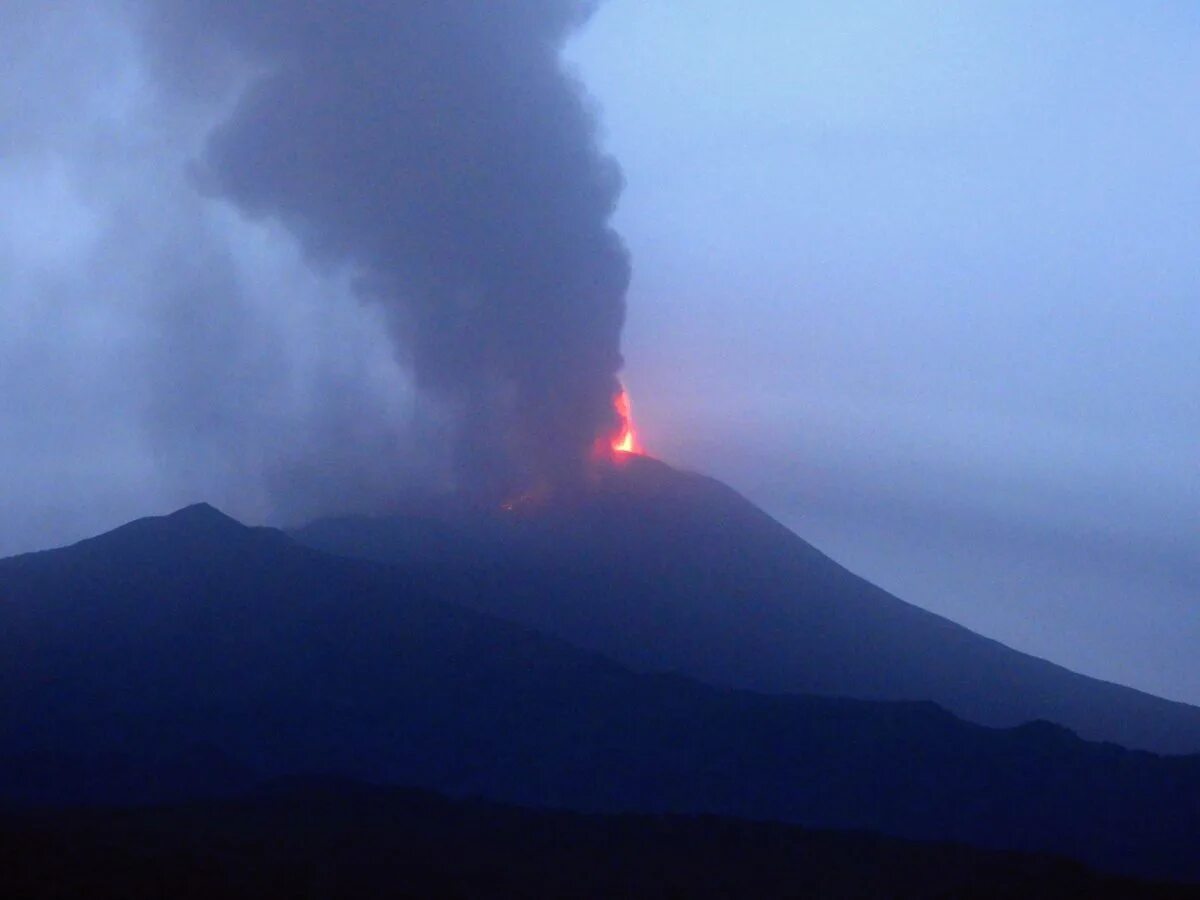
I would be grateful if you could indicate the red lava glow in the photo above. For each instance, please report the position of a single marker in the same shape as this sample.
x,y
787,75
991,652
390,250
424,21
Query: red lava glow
x,y
626,440
620,445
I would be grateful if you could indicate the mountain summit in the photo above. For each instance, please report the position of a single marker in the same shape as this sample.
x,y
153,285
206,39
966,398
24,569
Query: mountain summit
x,y
666,570
188,656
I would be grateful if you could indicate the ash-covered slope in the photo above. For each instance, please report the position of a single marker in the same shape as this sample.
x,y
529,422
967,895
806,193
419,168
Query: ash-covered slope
x,y
667,570
191,656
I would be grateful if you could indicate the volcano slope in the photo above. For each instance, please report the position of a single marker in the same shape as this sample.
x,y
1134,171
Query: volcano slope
x,y
664,570
331,838
190,656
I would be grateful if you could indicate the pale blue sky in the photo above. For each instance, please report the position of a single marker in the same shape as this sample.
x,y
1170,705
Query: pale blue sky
x,y
922,279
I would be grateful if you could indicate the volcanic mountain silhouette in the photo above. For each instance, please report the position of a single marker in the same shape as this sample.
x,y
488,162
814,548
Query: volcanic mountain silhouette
x,y
189,656
665,570
332,838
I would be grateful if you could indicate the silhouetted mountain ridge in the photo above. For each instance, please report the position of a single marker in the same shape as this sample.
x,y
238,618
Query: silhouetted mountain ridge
x,y
339,838
201,655
668,570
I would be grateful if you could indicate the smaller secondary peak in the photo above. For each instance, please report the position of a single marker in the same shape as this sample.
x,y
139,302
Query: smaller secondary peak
x,y
201,519
202,514
198,523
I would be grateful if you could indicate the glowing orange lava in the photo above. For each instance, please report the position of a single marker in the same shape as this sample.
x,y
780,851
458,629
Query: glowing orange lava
x,y
625,440
617,447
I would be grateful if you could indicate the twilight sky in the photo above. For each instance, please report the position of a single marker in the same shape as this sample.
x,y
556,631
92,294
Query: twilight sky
x,y
919,278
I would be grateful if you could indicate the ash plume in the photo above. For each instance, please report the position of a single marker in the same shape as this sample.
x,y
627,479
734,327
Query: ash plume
x,y
440,151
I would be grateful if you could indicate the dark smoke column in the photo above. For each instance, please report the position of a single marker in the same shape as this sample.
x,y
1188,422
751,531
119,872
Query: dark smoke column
x,y
439,147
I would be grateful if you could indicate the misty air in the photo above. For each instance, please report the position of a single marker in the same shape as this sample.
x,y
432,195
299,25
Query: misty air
x,y
599,448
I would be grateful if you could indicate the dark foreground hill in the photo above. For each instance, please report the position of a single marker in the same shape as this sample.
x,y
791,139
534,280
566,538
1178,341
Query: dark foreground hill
x,y
328,839
191,656
670,571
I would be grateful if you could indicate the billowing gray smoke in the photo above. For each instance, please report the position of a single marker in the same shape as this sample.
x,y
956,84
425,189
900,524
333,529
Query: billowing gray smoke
x,y
438,147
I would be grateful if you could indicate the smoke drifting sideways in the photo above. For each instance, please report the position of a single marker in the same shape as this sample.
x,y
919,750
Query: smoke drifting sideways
x,y
440,151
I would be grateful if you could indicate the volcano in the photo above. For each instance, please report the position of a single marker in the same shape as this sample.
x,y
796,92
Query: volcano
x,y
188,657
671,571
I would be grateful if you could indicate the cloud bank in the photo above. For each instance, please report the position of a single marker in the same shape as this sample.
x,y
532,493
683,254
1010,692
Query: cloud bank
x,y
295,258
